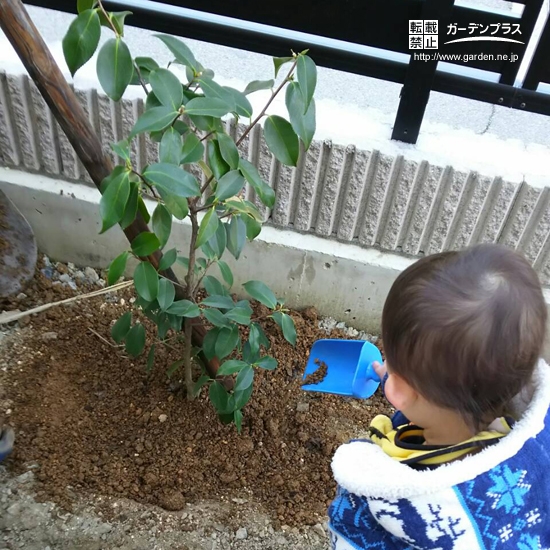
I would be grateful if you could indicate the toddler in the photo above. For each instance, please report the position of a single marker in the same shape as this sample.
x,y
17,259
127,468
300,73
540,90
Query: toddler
x,y
465,463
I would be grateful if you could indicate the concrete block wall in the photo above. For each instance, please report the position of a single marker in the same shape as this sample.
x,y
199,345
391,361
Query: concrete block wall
x,y
366,198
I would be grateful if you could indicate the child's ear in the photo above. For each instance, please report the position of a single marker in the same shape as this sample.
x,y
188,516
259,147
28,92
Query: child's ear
x,y
400,394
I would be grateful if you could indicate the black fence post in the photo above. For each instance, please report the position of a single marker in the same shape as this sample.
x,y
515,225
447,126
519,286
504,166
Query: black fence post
x,y
418,80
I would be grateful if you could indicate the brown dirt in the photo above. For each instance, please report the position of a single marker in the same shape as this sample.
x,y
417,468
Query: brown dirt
x,y
318,375
89,417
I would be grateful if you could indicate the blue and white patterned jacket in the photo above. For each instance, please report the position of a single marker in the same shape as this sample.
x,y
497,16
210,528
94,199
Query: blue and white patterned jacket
x,y
498,499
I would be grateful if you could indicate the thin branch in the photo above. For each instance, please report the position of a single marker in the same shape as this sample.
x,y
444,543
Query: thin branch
x,y
197,286
141,80
10,316
108,18
207,135
273,96
207,183
103,339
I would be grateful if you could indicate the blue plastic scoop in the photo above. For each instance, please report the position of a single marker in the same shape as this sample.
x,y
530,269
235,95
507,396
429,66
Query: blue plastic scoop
x,y
348,365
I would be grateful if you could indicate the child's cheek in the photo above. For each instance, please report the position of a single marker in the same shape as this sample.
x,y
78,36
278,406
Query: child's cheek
x,y
389,390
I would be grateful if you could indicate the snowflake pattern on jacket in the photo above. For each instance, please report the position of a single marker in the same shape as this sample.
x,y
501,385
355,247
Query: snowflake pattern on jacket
x,y
498,499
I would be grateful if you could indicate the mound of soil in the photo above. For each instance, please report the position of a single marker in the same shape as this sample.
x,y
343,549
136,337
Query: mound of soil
x,y
92,420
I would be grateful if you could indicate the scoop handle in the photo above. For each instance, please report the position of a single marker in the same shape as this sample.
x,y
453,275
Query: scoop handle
x,y
365,371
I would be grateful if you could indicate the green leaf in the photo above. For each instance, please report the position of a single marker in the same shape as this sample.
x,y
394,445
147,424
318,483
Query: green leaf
x,y
121,327
184,308
162,224
122,149
154,119
229,185
257,85
174,367
203,379
166,294
218,301
263,190
208,227
135,340
216,317
278,62
113,201
228,150
143,210
261,292
250,355
152,101
83,5
218,241
219,397
239,315
245,378
226,271
242,105
180,127
217,164
236,236
172,179
213,90
213,286
170,147
114,68
146,281
238,419
180,51
145,243
227,341
145,65
242,397
231,367
116,268
307,78
177,206
282,140
118,18
267,363
175,322
254,337
208,106
168,259
207,123
253,227
209,343
81,40
193,150
287,325
167,88
303,124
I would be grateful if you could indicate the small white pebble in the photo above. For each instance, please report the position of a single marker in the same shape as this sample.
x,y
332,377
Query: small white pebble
x,y
163,418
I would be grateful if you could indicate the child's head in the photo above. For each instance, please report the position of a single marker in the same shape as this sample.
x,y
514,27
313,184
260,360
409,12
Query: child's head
x,y
464,330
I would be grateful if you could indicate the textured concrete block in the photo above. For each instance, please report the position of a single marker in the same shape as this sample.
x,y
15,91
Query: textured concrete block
x,y
304,217
9,144
536,231
378,188
50,158
519,215
500,210
427,183
329,198
396,204
281,178
106,125
128,119
23,121
353,193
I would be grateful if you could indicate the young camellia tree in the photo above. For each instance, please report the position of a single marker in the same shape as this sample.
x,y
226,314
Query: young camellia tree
x,y
187,119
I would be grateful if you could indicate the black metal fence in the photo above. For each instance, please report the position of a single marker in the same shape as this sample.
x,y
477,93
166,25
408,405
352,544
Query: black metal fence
x,y
382,29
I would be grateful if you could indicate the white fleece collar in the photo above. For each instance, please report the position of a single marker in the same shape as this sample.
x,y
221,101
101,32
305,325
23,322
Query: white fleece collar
x,y
365,470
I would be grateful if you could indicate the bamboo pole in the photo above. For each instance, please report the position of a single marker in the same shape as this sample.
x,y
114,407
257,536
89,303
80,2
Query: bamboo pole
x,y
42,68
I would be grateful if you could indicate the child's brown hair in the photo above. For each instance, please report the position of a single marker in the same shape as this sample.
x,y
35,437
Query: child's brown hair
x,y
465,329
